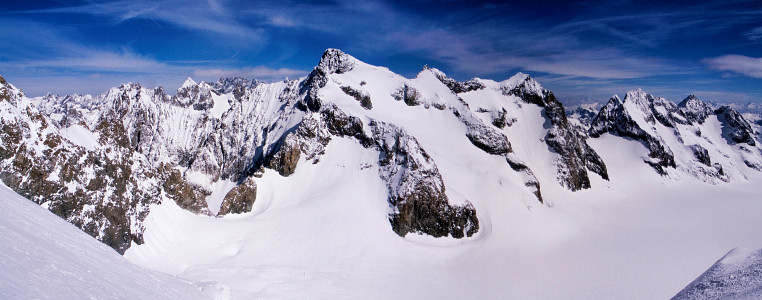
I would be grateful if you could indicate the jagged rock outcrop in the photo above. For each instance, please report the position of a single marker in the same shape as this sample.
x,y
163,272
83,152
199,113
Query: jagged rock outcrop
x,y
105,191
416,191
530,180
455,86
576,157
617,117
694,110
407,94
482,136
235,85
361,97
735,127
701,154
108,158
240,199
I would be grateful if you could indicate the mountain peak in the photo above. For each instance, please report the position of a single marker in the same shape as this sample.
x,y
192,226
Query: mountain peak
x,y
694,109
188,83
8,91
336,61
515,80
638,93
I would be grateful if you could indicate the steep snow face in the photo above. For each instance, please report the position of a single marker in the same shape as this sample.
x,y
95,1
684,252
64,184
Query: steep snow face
x,y
43,257
737,275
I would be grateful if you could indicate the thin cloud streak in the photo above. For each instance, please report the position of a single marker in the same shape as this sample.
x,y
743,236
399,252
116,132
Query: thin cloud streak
x,y
197,16
740,64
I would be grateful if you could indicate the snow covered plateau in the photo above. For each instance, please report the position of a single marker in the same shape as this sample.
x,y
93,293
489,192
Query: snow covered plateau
x,y
355,182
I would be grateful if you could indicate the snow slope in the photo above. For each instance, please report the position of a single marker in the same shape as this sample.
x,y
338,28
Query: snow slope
x,y
737,275
330,238
44,257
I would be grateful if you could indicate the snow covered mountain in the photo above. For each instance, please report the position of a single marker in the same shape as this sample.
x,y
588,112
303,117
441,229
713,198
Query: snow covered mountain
x,y
710,145
100,162
206,182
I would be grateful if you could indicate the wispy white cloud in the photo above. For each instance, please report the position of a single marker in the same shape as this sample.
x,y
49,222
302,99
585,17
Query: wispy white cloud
x,y
99,61
209,16
259,72
754,34
740,64
282,21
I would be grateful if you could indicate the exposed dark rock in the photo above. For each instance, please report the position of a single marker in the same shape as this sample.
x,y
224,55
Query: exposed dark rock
x,y
528,90
335,61
530,180
666,112
735,127
185,194
286,157
235,85
701,154
493,142
482,136
240,199
694,110
416,191
361,97
576,157
4,93
454,85
340,124
407,94
499,119
614,118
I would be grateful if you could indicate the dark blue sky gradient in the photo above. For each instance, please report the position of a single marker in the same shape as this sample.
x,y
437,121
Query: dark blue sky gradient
x,y
580,50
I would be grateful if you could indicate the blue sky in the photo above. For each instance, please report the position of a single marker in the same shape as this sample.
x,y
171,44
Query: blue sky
x,y
579,50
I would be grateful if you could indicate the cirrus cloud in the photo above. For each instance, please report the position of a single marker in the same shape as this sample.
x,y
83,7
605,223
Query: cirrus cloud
x,y
749,66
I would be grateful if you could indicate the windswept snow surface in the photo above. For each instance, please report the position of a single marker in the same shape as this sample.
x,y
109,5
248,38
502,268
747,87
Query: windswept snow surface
x,y
737,275
44,257
322,233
